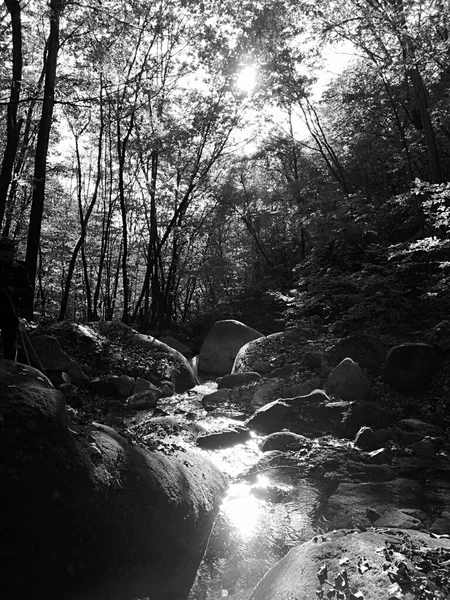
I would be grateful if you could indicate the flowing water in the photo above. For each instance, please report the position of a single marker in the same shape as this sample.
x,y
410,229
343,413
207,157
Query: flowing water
x,y
268,509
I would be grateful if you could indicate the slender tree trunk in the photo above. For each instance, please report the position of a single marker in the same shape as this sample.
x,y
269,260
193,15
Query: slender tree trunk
x,y
40,165
83,220
12,126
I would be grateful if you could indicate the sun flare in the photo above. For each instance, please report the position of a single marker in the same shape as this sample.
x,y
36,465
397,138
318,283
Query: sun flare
x,y
246,79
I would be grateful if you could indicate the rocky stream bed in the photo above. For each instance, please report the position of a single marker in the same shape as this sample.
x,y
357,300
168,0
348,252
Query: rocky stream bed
x,y
310,468
285,490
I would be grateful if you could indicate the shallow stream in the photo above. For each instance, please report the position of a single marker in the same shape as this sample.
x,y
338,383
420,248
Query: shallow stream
x,y
268,509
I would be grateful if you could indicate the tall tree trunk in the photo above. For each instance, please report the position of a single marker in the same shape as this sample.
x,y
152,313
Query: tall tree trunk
x,y
12,126
421,96
29,132
420,93
40,164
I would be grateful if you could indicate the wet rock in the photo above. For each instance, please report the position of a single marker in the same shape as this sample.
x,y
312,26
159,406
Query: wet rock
x,y
316,397
367,439
143,400
425,448
233,380
224,439
397,518
348,381
285,440
409,366
221,345
212,401
270,418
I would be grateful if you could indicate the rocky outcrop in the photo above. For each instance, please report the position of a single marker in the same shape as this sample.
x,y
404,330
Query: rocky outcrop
x,y
108,348
221,345
359,564
88,513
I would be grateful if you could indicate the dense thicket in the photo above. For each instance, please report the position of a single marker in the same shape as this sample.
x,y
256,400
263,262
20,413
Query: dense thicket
x,y
142,183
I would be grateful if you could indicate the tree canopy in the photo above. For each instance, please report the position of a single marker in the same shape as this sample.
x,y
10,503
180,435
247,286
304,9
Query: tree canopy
x,y
169,162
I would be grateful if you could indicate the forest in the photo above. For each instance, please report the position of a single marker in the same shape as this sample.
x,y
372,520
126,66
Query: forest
x,y
172,162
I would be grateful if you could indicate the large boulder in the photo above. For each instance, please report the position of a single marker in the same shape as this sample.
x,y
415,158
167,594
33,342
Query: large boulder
x,y
112,348
89,514
409,366
359,564
348,381
222,343
276,350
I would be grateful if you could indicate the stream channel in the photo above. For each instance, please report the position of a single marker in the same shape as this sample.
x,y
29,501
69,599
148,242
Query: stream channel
x,y
270,506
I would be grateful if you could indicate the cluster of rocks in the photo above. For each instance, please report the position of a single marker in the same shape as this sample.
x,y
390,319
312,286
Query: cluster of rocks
x,y
387,486
291,392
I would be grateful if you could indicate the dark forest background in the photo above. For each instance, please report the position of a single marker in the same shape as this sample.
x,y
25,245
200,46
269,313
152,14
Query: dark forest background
x,y
142,184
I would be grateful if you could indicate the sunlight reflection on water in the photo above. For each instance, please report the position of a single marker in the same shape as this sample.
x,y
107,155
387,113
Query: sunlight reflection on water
x,y
233,461
242,509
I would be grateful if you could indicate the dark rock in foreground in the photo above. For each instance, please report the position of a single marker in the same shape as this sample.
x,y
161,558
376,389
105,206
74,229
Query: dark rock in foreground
x,y
359,564
90,514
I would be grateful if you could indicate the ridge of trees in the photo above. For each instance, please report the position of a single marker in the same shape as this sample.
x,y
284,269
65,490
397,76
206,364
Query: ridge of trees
x,y
142,184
